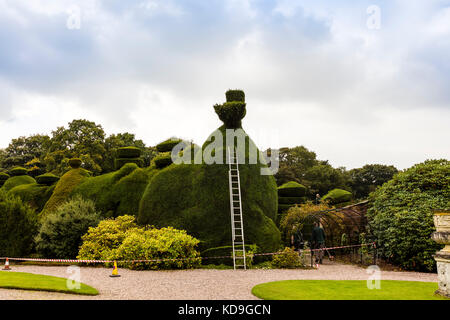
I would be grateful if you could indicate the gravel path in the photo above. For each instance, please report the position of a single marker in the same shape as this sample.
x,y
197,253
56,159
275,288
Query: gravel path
x,y
193,284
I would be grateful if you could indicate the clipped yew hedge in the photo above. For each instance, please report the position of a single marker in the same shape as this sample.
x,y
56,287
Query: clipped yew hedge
x,y
337,196
18,171
128,152
167,146
292,189
47,179
163,160
75,163
120,162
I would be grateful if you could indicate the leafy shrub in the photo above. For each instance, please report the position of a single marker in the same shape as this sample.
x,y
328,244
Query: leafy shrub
x,y
18,171
47,179
18,225
336,196
75,163
121,239
17,181
231,113
120,162
291,189
61,231
163,160
195,197
235,95
288,258
400,213
128,152
167,146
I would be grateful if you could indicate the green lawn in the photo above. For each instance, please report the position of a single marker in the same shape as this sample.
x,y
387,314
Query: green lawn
x,y
30,281
345,290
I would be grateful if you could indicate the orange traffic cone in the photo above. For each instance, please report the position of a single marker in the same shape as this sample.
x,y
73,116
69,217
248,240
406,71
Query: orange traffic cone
x,y
115,272
6,267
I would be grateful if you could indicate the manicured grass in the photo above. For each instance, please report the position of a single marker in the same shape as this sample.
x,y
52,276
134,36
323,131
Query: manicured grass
x,y
345,290
30,281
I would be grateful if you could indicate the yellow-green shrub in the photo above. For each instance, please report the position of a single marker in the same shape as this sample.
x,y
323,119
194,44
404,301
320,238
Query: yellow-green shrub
x,y
288,258
121,239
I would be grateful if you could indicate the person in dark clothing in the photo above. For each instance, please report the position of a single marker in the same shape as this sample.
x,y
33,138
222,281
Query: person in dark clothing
x,y
318,241
297,238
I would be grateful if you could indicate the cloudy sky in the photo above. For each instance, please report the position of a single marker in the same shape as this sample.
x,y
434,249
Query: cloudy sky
x,y
356,83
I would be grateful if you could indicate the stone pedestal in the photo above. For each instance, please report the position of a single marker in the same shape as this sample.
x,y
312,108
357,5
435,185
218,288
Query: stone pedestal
x,y
442,236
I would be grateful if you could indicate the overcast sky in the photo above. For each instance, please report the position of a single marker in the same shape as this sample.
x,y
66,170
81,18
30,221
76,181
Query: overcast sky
x,y
357,84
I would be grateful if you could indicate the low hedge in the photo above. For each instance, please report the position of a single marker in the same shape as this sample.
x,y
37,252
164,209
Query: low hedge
x,y
163,160
17,181
75,163
128,152
18,171
120,162
336,196
167,146
47,179
235,95
291,189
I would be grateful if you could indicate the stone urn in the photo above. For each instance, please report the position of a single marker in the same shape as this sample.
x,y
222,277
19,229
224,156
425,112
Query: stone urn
x,y
442,236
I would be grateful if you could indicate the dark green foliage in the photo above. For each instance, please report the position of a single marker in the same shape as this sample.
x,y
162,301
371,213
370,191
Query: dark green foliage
x,y
116,193
61,231
195,198
401,218
120,162
17,181
18,171
292,189
167,146
163,160
291,200
128,152
4,176
24,149
235,95
336,196
284,207
18,225
231,113
64,188
75,163
33,194
47,179
366,179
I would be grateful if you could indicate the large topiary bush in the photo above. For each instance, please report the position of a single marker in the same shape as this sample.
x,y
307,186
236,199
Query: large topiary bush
x,y
400,213
61,231
116,193
195,197
18,225
121,239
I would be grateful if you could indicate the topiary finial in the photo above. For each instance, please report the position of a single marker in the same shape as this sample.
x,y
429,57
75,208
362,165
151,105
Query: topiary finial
x,y
232,111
